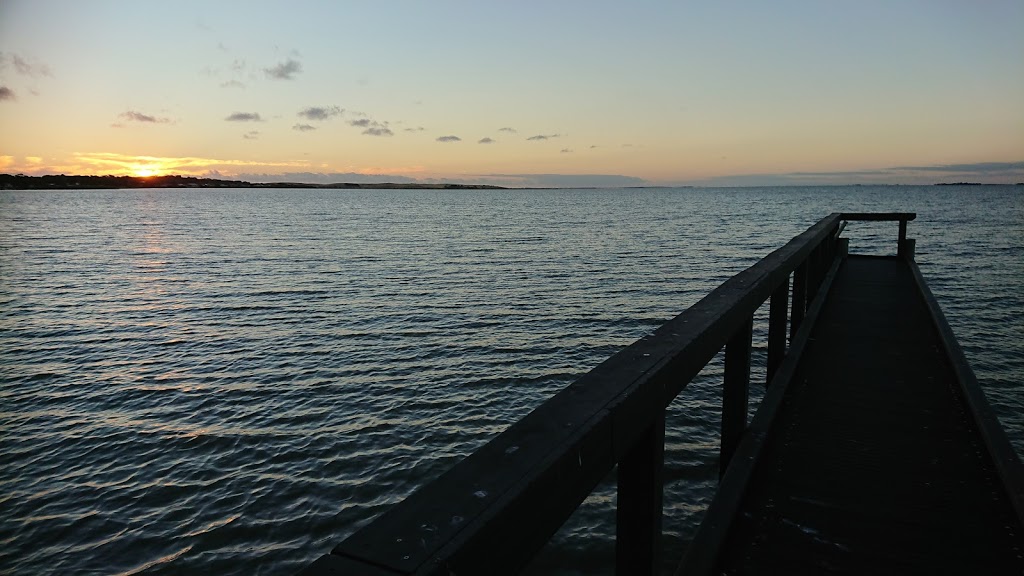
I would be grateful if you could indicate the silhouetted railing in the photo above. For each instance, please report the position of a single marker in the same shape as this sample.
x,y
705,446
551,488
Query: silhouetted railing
x,y
494,510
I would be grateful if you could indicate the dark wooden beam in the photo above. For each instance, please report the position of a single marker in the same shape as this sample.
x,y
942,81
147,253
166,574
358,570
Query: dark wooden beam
x,y
735,393
799,299
638,510
777,314
878,216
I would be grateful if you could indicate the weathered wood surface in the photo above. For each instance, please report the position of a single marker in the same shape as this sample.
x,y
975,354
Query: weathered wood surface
x,y
874,462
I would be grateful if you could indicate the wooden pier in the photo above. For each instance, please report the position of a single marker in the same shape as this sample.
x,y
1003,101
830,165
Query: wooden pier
x,y
873,449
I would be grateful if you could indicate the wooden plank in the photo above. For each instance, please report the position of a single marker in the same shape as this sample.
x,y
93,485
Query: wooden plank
x,y
735,391
639,507
873,466
1004,458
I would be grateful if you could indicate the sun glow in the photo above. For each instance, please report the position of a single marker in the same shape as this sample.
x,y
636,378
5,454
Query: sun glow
x,y
144,172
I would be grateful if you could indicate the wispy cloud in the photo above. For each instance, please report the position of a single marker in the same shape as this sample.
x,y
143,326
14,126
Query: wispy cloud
x,y
486,141
566,150
378,131
244,117
285,70
973,168
24,66
134,116
543,137
371,127
251,135
303,127
232,84
509,130
449,139
320,113
6,94
416,129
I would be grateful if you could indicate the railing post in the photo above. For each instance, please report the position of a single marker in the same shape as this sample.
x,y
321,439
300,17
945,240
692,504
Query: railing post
x,y
734,392
638,510
777,313
905,248
799,298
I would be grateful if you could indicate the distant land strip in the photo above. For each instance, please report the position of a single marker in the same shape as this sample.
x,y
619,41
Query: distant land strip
x,y
64,182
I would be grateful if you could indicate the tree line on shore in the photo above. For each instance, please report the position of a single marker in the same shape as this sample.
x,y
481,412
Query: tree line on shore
x,y
67,182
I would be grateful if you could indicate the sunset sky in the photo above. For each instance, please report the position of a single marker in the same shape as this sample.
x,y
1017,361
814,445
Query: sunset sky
x,y
516,93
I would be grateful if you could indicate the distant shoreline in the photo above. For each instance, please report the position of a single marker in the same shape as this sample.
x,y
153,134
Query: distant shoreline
x,y
64,182
73,182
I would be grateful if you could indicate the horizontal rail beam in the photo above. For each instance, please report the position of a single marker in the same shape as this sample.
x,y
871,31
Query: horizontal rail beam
x,y
878,216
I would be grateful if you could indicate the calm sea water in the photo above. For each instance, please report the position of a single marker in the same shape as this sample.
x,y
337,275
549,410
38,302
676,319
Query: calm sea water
x,y
231,381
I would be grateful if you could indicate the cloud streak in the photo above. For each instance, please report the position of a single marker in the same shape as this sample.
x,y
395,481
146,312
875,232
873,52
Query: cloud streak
x,y
244,117
24,66
973,168
303,127
371,127
449,139
485,141
285,70
378,131
6,94
509,130
134,116
107,162
320,113
544,137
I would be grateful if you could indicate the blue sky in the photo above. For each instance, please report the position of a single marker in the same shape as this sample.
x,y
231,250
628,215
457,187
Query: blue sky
x,y
507,93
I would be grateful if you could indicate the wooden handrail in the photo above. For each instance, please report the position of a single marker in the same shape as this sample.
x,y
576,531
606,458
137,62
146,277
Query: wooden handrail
x,y
470,520
904,246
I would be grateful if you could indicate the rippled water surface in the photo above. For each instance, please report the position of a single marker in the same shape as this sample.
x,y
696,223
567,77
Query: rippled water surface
x,y
231,381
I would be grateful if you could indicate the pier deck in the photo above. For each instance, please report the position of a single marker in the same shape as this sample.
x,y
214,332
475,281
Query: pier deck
x,y
873,450
874,464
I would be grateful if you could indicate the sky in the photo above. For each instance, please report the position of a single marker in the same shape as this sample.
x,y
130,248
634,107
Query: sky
x,y
560,93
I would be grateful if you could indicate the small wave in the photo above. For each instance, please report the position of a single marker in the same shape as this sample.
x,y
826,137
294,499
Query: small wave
x,y
167,559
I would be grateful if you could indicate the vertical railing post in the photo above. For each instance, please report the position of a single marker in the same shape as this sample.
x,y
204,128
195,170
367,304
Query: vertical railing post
x,y
817,271
777,313
799,298
638,510
734,393
905,248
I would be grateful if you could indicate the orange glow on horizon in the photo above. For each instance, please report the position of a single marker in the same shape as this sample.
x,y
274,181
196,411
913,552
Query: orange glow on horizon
x,y
145,172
